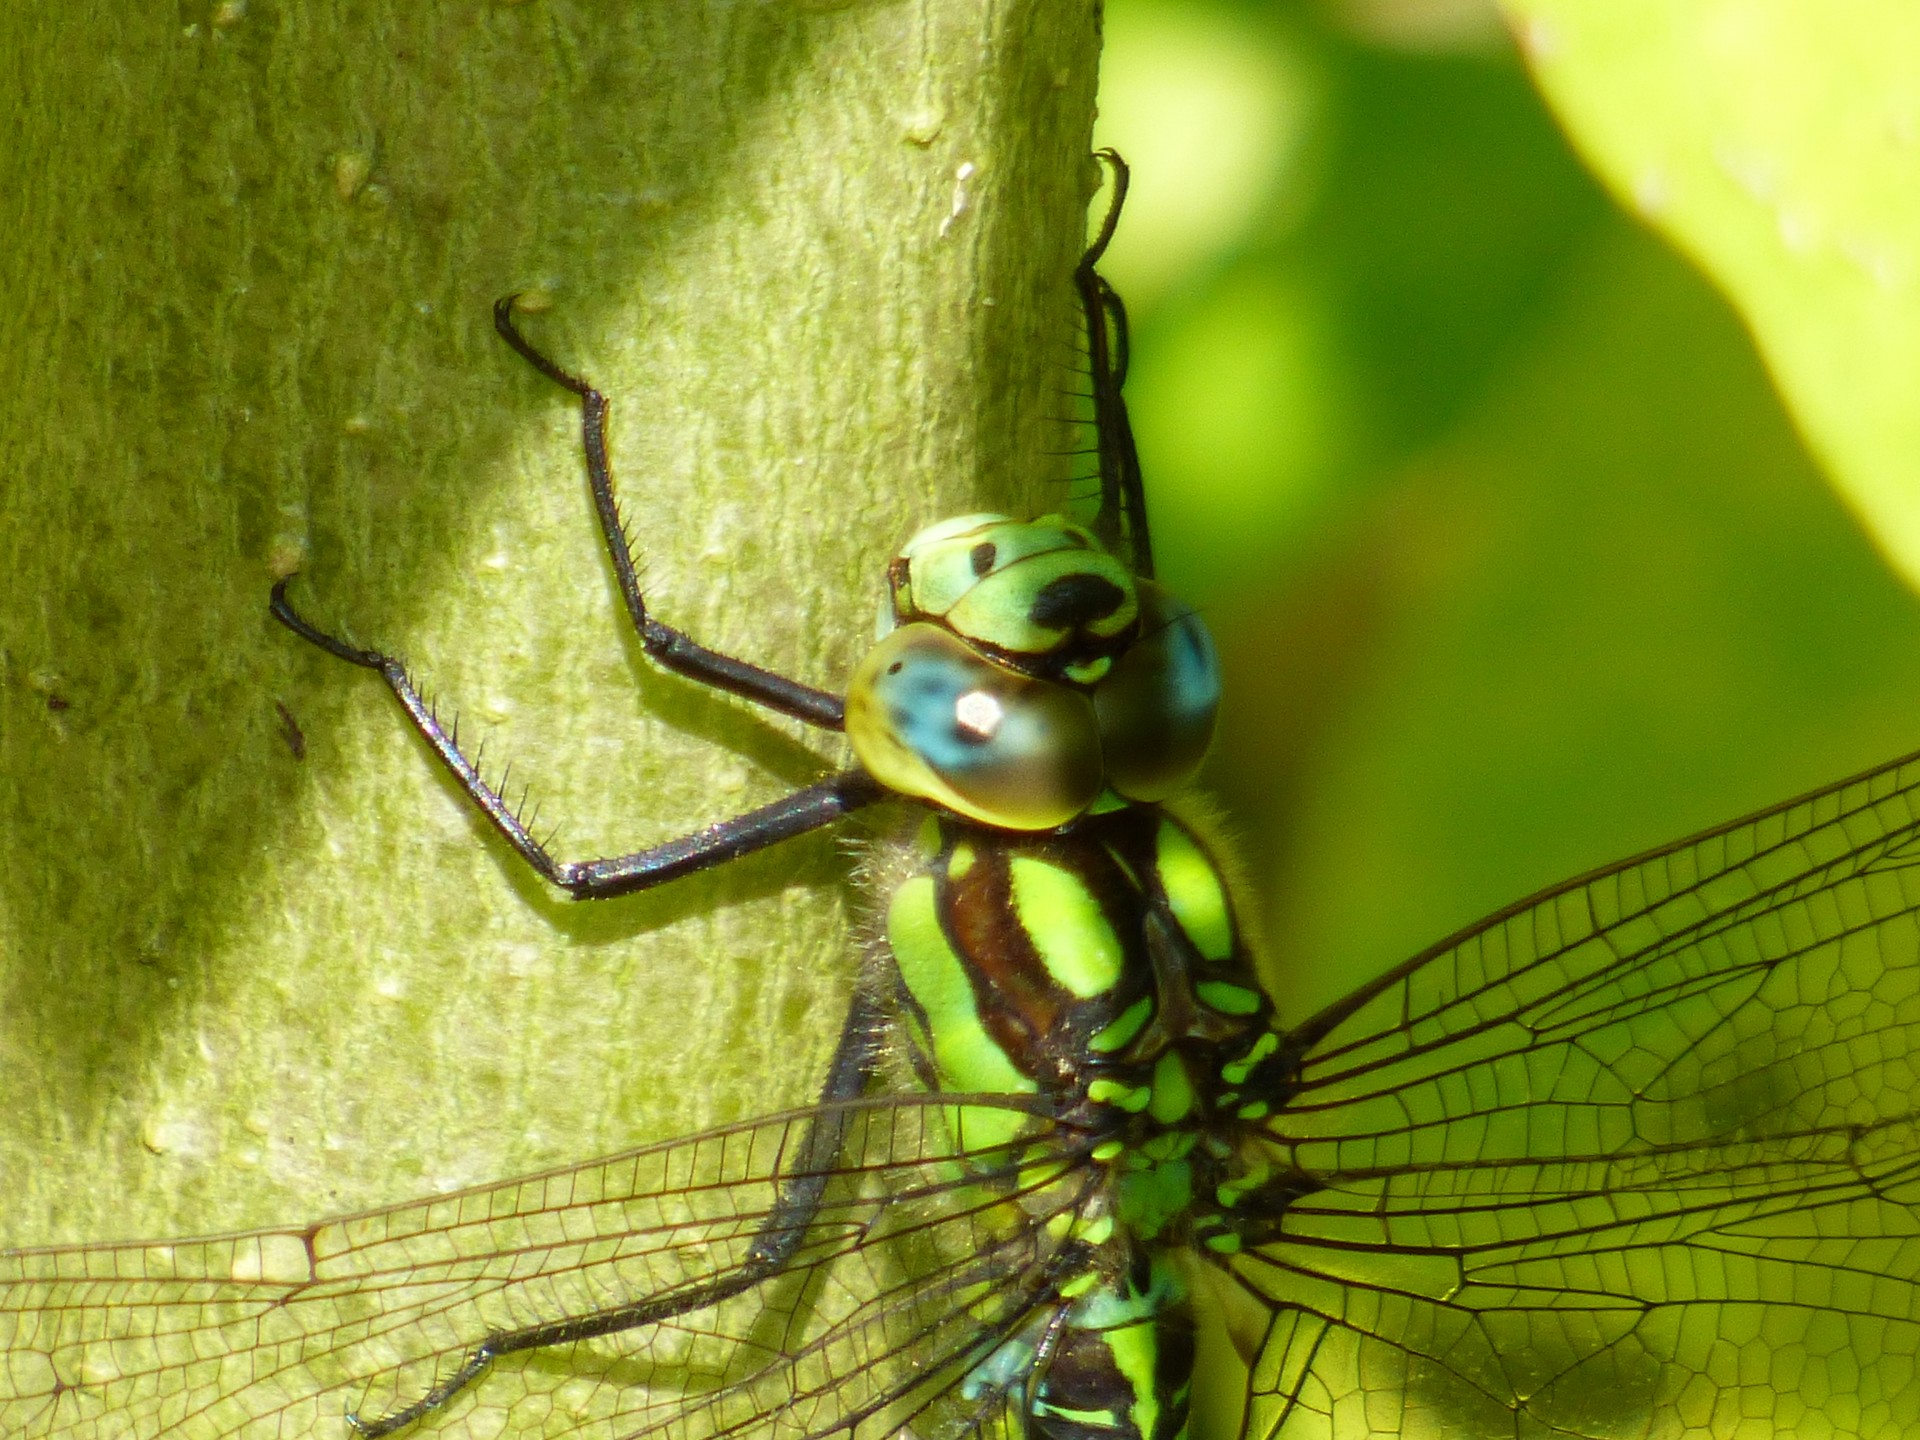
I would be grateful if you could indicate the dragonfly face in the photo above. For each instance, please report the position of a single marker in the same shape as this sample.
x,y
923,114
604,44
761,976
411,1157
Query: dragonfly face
x,y
1637,1157
1026,676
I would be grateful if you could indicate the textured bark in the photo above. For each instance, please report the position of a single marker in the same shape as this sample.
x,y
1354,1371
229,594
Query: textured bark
x,y
819,257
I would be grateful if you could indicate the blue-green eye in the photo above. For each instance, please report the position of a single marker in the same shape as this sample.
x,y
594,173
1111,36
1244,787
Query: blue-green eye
x,y
1156,707
930,718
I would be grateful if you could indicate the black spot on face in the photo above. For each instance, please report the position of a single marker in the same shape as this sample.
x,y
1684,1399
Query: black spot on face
x,y
983,555
1075,600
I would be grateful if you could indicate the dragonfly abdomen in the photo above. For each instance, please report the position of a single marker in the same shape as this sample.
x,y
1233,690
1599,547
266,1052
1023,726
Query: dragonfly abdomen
x,y
1122,1364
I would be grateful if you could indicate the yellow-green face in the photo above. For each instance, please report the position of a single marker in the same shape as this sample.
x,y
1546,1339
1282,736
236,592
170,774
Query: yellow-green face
x,y
1026,676
1041,595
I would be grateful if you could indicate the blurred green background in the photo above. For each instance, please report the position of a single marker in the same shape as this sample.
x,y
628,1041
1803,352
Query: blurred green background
x,y
1516,562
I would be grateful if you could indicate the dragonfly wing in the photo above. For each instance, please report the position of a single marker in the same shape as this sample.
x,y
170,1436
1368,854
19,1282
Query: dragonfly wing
x,y
286,1332
890,1339
1635,1157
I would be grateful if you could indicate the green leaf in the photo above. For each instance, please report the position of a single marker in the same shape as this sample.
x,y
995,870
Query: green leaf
x,y
1776,142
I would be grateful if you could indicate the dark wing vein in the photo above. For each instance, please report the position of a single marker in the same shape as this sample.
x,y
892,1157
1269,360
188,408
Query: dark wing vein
x,y
1639,1156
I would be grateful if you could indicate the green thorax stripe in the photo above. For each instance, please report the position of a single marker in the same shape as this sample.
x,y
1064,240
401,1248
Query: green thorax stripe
x,y
1018,952
1064,922
1195,893
964,1054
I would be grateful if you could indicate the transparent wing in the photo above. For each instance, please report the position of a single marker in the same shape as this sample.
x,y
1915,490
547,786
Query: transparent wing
x,y
921,1257
1636,1157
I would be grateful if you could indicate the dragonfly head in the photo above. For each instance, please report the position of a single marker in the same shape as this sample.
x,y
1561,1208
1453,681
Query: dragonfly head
x,y
1022,674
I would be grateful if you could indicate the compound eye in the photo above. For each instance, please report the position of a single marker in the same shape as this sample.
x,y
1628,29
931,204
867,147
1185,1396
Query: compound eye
x,y
932,719
1156,707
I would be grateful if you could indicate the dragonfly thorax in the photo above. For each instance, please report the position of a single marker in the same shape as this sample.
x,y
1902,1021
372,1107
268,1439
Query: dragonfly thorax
x,y
1098,969
1025,676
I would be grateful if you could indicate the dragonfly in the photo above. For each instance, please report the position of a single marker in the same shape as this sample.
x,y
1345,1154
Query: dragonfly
x,y
1634,1157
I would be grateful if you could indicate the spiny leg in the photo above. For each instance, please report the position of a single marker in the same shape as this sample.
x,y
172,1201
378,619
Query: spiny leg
x,y
819,804
796,1203
804,810
665,644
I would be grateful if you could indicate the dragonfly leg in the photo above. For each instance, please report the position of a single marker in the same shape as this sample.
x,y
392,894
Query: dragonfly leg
x,y
796,1203
808,809
1122,521
475,1366
670,647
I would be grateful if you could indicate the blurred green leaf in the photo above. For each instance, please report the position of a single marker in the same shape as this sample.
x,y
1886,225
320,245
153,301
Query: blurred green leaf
x,y
1614,606
1777,142
1516,563
1215,109
1420,210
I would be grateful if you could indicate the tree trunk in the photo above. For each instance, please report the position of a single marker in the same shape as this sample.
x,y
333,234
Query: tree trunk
x,y
262,962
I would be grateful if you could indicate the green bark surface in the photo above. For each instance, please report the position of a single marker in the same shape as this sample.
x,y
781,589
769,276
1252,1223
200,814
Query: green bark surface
x,y
817,254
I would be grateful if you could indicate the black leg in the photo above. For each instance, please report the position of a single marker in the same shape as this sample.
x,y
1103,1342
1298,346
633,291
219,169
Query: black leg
x,y
665,644
809,809
796,1202
1122,521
